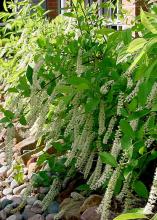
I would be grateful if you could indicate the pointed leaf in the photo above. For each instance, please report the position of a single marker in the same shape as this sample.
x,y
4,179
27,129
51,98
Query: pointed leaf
x,y
108,159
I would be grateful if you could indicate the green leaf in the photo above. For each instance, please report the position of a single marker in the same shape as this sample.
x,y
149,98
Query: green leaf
x,y
29,74
41,42
4,120
42,158
74,80
126,128
140,189
138,114
23,120
126,142
136,45
128,216
146,22
91,104
108,159
5,5
83,187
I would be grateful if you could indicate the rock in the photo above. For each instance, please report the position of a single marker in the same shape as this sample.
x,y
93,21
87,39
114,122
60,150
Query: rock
x,y
16,201
41,196
2,145
14,184
9,180
7,191
3,215
31,200
25,170
27,213
72,208
37,207
18,189
91,201
2,158
8,209
31,169
9,172
43,190
5,202
50,217
91,214
37,217
27,144
53,208
3,171
23,191
16,216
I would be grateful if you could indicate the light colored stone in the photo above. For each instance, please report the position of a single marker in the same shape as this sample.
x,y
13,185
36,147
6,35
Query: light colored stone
x,y
3,171
31,170
91,201
8,208
31,200
18,189
7,191
50,217
91,213
37,217
2,158
43,190
72,208
27,213
9,172
14,184
25,170
27,144
16,200
37,207
3,215
15,217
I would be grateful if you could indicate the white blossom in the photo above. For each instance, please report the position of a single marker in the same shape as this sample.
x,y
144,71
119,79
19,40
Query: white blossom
x,y
53,192
109,130
105,88
105,205
134,91
152,200
88,165
9,144
101,118
120,103
116,147
134,124
151,96
149,142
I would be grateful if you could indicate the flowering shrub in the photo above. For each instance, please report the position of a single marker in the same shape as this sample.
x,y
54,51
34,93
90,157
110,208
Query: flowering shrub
x,y
88,91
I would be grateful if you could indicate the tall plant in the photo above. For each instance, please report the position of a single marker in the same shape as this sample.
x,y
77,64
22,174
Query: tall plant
x,y
90,92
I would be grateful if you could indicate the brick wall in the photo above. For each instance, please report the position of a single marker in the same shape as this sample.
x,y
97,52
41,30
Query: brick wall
x,y
132,6
53,6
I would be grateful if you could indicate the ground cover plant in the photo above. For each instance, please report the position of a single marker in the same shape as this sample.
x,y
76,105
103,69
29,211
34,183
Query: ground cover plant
x,y
88,95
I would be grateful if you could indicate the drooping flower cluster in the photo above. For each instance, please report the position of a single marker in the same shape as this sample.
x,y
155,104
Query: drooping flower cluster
x,y
152,200
120,103
105,205
134,91
101,118
116,147
53,192
105,88
151,96
9,144
109,129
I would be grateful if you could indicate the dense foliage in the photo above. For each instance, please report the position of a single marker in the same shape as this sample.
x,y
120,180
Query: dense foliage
x,y
90,92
